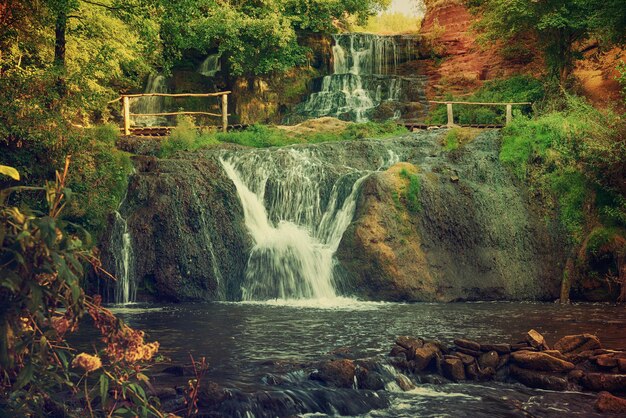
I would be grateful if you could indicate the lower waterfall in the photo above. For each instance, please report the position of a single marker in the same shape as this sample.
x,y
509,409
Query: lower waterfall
x,y
125,289
296,209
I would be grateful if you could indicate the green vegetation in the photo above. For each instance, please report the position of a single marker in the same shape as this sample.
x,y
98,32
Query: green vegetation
x,y
42,264
560,28
389,23
519,88
185,137
452,140
411,193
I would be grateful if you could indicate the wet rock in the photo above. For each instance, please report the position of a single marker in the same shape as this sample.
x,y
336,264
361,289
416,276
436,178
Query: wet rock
x,y
498,348
410,343
576,375
466,358
397,351
369,379
536,340
518,346
621,365
211,394
577,343
339,373
471,371
606,360
539,380
422,357
467,344
489,359
503,361
404,383
604,381
556,353
452,368
608,403
577,358
469,352
441,346
541,361
164,392
486,373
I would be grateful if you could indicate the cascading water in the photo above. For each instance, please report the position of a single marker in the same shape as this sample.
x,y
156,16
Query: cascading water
x,y
210,66
296,209
366,74
123,255
151,104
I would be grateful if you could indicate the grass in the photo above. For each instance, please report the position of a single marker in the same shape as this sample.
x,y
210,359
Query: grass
x,y
185,136
412,191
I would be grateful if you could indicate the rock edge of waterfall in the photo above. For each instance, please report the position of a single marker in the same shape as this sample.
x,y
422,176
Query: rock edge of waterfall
x,y
476,234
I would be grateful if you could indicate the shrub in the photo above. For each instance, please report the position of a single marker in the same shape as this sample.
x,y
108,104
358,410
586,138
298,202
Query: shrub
x,y
182,137
412,191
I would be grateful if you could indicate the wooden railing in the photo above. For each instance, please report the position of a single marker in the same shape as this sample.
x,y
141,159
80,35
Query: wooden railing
x,y
509,108
127,115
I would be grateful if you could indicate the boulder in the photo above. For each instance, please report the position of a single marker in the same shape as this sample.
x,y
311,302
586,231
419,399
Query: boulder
x,y
422,357
576,375
606,360
486,373
577,343
504,359
621,365
469,352
398,351
467,344
211,394
369,379
471,371
489,359
541,361
404,383
466,358
518,346
452,368
608,403
605,381
539,380
409,343
338,373
536,340
556,353
498,348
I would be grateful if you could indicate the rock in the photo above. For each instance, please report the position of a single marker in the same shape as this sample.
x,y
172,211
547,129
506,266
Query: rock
x,y
469,352
211,394
454,179
486,373
338,373
498,348
518,346
528,349
539,380
441,346
466,358
604,381
606,360
453,369
369,379
577,343
535,339
541,361
621,365
397,351
467,344
164,392
489,359
556,353
576,375
410,343
404,383
504,359
577,358
471,371
422,357
176,370
608,403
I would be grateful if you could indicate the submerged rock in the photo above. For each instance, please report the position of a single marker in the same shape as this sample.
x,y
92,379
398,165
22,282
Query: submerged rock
x,y
608,403
573,344
541,361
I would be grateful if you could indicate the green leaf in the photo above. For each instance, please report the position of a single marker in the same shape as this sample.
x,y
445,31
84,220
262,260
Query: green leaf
x,y
24,377
104,388
10,171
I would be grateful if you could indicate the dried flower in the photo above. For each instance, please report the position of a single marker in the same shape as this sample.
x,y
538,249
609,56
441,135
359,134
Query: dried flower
x,y
60,325
87,362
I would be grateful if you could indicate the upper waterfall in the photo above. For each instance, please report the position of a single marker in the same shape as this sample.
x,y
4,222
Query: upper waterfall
x,y
367,72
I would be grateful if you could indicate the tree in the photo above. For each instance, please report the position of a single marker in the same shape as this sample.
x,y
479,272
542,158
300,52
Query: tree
x,y
560,27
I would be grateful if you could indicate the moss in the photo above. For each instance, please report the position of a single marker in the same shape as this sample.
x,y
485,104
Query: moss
x,y
600,239
412,191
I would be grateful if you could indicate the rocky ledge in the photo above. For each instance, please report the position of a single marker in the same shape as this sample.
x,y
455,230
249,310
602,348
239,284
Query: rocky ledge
x,y
575,362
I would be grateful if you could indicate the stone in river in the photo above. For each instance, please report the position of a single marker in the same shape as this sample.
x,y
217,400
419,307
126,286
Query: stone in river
x,y
535,339
498,348
608,403
605,381
338,373
577,343
489,359
468,344
423,356
410,343
541,361
539,380
453,369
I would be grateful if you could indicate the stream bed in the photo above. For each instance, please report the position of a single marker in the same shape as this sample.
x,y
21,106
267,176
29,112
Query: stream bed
x,y
249,347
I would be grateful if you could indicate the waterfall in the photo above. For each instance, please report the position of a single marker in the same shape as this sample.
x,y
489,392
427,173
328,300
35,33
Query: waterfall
x,y
123,255
152,104
210,66
365,75
296,209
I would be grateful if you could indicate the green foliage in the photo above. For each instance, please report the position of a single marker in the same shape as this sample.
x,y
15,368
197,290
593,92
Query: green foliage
x,y
572,154
519,88
621,68
560,27
452,140
42,264
601,237
412,192
389,23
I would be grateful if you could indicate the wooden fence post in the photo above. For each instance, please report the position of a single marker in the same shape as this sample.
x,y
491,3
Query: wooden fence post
x,y
126,104
509,113
225,112
450,115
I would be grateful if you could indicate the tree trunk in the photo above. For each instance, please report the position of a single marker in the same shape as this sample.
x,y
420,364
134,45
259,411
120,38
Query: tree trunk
x,y
60,29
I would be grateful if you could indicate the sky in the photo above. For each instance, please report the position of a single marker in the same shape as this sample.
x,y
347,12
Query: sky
x,y
407,7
